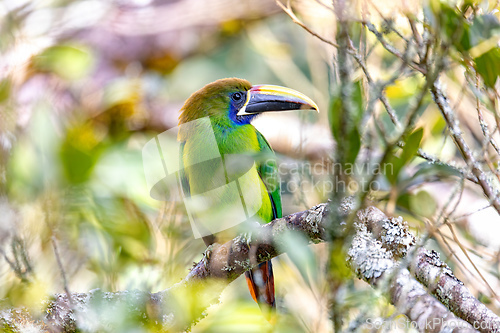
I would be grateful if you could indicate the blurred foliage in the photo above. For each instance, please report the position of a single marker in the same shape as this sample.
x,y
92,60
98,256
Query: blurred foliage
x,y
407,153
69,62
348,134
84,89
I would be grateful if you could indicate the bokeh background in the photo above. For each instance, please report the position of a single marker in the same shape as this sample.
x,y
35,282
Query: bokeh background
x,y
85,84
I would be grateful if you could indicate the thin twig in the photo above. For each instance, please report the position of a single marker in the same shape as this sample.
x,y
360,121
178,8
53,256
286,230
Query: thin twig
x,y
60,265
392,49
288,10
464,250
434,160
452,253
456,133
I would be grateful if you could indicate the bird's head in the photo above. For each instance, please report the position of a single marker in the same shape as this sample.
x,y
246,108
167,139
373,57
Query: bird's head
x,y
233,102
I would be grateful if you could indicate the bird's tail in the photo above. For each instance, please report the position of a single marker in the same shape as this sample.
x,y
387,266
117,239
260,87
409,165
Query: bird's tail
x,y
261,285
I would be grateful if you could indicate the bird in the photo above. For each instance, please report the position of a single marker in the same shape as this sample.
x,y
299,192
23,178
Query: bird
x,y
220,115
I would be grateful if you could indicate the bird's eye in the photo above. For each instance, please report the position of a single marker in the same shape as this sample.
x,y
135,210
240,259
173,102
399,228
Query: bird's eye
x,y
237,96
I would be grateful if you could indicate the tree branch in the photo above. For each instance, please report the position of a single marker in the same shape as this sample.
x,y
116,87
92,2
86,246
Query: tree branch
x,y
393,236
373,255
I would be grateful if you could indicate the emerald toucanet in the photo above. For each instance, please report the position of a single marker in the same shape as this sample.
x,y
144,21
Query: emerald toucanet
x,y
230,105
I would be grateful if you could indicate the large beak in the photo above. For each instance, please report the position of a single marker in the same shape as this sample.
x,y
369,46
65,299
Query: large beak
x,y
265,98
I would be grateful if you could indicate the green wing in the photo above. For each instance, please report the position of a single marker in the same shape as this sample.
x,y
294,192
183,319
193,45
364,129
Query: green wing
x,y
268,172
266,168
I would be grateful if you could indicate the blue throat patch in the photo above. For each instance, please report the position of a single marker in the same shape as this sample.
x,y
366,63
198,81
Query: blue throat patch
x,y
239,120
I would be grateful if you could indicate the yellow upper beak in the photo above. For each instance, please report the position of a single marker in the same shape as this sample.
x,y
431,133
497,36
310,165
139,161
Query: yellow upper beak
x,y
269,98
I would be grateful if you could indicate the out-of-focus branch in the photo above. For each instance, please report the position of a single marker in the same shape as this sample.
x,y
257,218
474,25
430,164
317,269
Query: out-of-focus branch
x,y
378,244
456,133
220,265
179,15
434,160
393,50
288,10
351,50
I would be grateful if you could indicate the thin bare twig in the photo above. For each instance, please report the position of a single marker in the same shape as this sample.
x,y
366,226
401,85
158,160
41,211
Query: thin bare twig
x,y
392,49
434,160
442,102
351,50
60,265
452,252
464,250
288,10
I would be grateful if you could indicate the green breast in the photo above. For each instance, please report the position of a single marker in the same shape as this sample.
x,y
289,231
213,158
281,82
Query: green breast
x,y
228,175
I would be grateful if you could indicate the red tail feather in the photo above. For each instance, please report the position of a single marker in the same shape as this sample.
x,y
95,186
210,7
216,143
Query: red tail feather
x,y
260,282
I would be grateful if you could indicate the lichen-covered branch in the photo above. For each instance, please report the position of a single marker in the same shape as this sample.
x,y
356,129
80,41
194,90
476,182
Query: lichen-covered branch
x,y
440,281
232,259
378,244
178,307
380,241
373,263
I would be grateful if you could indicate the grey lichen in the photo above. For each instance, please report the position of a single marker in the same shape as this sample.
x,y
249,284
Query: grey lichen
x,y
347,205
433,258
227,268
20,320
242,240
245,264
437,269
280,226
393,232
206,257
367,257
444,297
314,217
396,236
168,320
264,257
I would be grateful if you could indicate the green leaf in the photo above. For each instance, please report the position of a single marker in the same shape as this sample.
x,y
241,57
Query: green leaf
x,y
33,164
339,271
412,144
404,201
4,90
462,41
468,4
353,147
451,22
76,163
68,61
357,99
423,204
296,246
334,115
428,172
483,27
347,124
79,152
487,65
427,169
397,165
